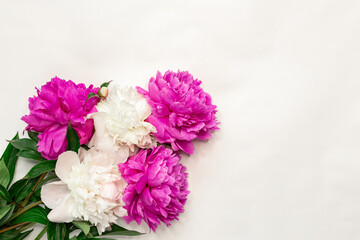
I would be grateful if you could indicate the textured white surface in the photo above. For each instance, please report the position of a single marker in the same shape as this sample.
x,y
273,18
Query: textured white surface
x,y
284,74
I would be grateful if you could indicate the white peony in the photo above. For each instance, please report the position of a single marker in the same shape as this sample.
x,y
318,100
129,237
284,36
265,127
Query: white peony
x,y
120,122
91,189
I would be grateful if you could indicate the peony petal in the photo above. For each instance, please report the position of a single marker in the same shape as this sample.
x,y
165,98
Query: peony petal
x,y
52,193
65,163
62,211
109,191
186,146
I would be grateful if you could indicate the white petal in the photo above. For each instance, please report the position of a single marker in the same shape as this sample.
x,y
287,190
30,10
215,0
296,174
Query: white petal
x,y
65,163
122,154
52,193
109,191
101,139
62,212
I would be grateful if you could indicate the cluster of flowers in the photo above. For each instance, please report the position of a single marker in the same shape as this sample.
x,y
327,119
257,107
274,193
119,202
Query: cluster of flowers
x,y
129,164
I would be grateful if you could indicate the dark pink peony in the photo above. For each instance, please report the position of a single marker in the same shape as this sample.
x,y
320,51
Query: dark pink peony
x,y
157,186
181,110
58,103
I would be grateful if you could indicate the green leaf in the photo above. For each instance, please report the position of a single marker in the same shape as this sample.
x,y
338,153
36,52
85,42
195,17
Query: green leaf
x,y
105,84
7,215
31,155
23,235
4,174
2,203
11,234
72,139
57,231
24,144
7,153
40,168
91,95
120,231
4,194
18,187
5,210
36,214
45,180
84,226
33,136
10,157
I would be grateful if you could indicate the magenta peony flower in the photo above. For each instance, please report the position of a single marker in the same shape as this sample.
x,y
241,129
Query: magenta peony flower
x,y
157,186
58,103
181,110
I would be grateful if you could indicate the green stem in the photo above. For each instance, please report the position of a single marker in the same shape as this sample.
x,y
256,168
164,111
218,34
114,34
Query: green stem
x,y
27,208
26,227
12,227
41,234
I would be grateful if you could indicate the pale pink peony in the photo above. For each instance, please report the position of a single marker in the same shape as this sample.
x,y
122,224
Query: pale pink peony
x,y
181,110
157,186
90,189
59,103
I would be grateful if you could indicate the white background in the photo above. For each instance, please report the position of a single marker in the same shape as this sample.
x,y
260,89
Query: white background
x,y
284,74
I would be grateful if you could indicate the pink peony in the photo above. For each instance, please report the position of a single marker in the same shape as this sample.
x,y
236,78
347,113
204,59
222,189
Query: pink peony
x,y
58,103
181,110
157,186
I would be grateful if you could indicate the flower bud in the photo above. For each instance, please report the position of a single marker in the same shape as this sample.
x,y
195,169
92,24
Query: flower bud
x,y
103,92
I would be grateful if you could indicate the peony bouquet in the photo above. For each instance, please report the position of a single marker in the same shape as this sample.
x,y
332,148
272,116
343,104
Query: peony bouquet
x,y
103,154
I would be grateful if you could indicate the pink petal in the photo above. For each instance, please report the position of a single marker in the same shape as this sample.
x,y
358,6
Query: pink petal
x,y
186,146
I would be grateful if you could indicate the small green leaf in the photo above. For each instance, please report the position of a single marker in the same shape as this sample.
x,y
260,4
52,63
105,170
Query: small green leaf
x,y
105,84
5,210
72,139
85,147
4,174
23,235
33,136
7,215
28,154
10,157
91,95
57,231
36,214
120,231
24,144
4,194
84,226
40,168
